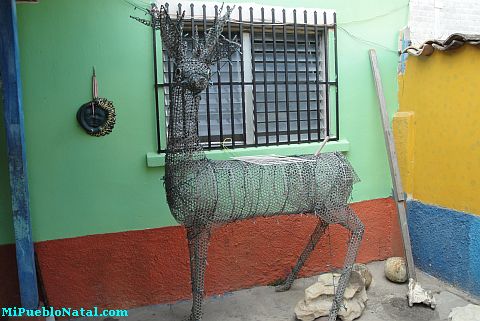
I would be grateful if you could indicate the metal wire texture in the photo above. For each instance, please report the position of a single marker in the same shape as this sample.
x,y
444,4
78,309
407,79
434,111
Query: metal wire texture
x,y
203,193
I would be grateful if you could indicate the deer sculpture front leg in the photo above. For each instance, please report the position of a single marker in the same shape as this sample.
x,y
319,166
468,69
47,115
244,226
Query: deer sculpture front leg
x,y
351,222
198,238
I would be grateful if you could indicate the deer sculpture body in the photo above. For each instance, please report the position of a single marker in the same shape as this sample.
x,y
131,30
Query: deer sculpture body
x,y
203,193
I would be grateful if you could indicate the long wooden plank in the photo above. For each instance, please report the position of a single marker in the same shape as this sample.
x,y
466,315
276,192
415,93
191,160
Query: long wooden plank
x,y
13,116
394,170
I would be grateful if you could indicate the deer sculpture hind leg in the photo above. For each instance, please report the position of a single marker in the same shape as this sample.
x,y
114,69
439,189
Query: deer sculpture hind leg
x,y
313,241
351,222
198,239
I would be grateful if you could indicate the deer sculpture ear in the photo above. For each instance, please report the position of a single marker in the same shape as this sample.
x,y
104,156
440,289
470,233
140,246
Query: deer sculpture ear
x,y
216,45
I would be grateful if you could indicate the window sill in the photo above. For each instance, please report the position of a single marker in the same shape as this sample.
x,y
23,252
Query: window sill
x,y
342,145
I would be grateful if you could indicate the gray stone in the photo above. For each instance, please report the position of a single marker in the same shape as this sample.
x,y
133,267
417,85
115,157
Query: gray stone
x,y
364,272
396,269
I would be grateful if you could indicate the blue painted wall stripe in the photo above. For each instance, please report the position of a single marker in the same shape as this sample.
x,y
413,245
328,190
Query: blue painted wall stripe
x,y
446,244
475,255
17,163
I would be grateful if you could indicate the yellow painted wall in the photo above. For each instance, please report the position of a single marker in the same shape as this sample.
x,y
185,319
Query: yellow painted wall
x,y
437,128
404,135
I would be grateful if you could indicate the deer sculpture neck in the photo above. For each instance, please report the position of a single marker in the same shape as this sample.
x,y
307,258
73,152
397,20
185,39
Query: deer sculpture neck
x,y
183,138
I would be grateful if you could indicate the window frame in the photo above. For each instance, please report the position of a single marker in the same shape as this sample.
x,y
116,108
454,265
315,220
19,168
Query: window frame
x,y
246,29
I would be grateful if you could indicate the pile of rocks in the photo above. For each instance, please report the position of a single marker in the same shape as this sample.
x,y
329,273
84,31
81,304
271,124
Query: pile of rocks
x,y
319,297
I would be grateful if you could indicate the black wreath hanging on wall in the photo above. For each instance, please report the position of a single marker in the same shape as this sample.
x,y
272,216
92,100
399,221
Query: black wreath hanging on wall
x,y
98,116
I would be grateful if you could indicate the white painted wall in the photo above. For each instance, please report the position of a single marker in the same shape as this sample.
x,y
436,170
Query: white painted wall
x,y
437,19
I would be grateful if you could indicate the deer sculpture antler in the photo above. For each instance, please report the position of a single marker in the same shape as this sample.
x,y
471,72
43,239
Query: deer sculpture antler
x,y
202,193
214,47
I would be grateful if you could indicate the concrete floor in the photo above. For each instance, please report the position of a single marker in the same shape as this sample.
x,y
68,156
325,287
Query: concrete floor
x,y
386,301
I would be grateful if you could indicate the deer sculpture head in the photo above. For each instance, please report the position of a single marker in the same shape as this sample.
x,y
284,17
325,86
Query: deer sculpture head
x,y
192,67
192,56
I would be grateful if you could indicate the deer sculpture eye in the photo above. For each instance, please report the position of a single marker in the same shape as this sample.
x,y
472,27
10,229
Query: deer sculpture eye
x,y
178,72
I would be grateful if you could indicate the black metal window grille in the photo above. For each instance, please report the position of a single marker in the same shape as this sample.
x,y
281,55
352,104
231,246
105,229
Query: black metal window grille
x,y
278,91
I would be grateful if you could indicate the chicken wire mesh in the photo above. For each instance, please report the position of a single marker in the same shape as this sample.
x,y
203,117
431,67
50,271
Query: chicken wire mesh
x,y
202,193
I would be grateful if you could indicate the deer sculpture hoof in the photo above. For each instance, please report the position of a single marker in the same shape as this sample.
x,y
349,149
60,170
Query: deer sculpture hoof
x,y
283,287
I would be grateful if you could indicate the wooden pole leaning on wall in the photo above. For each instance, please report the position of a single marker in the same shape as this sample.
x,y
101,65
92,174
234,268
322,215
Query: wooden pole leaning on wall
x,y
394,170
17,161
416,294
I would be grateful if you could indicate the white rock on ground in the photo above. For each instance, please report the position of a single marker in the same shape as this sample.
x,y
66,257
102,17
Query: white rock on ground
x,y
416,294
396,269
470,312
319,297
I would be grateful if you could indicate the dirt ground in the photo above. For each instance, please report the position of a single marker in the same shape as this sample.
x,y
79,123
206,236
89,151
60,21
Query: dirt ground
x,y
386,301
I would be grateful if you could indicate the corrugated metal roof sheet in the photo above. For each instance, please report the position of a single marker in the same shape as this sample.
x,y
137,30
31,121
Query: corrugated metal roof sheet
x,y
454,41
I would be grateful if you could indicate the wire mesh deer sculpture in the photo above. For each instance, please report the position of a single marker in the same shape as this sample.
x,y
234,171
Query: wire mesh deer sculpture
x,y
203,193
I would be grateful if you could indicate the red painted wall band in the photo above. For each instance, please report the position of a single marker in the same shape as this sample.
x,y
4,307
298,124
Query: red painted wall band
x,y
136,268
9,293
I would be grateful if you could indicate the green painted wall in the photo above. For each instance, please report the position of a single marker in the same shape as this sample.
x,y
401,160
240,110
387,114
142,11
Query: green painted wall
x,y
82,185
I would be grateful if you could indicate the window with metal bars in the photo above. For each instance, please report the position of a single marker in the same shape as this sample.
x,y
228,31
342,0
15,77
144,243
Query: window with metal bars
x,y
278,90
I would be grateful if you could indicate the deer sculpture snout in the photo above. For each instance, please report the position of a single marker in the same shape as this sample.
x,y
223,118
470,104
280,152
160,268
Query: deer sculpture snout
x,y
196,80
